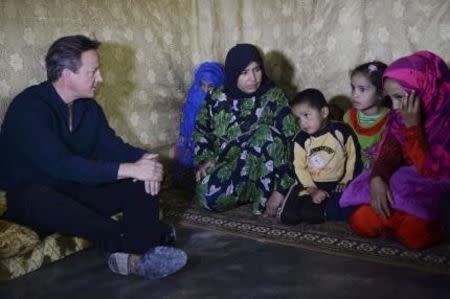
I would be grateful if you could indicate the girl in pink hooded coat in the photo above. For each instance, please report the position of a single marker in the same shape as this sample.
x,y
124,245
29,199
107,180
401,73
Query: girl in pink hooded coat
x,y
400,196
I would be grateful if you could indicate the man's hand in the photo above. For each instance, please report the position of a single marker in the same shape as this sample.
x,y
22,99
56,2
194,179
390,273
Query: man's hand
x,y
147,168
202,171
273,203
152,187
381,198
149,156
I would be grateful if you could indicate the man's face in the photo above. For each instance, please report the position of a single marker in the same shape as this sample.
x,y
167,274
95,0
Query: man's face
x,y
84,82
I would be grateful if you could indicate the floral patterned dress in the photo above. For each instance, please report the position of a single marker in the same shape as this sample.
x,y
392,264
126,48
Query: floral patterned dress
x,y
249,140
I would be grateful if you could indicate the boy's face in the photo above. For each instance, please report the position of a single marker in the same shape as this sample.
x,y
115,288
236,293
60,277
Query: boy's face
x,y
309,118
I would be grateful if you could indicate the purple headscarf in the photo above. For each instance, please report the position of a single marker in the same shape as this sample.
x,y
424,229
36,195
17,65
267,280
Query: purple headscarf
x,y
429,76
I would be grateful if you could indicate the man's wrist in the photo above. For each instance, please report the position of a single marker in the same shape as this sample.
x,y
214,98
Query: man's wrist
x,y
125,171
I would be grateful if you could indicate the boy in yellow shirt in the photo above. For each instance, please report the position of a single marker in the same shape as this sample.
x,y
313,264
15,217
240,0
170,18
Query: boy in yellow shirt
x,y
326,157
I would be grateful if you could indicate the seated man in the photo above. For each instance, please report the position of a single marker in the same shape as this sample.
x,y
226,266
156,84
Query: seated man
x,y
66,171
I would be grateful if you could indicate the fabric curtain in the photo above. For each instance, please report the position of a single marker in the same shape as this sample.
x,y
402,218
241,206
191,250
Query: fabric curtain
x,y
151,47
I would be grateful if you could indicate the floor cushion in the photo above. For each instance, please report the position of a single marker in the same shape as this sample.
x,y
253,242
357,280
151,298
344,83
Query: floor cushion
x,y
16,239
21,251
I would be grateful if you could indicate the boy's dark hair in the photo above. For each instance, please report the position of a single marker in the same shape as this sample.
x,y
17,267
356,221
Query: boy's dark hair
x,y
312,97
373,71
65,53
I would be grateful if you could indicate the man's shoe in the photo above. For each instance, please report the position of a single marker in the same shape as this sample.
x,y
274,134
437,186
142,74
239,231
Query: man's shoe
x,y
161,261
119,263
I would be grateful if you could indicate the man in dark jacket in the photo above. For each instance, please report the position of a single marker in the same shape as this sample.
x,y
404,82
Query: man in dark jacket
x,y
66,171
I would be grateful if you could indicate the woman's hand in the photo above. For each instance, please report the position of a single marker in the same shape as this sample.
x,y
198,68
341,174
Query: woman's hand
x,y
410,110
381,197
273,203
203,169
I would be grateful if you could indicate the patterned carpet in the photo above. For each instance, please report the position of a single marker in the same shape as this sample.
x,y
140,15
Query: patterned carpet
x,y
331,238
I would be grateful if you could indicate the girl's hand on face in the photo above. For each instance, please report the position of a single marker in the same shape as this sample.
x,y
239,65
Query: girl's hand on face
x,y
410,110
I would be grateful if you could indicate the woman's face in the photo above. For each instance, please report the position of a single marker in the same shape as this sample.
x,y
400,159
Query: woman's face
x,y
250,78
396,92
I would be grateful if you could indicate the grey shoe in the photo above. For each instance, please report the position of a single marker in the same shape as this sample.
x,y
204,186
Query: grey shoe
x,y
118,263
161,261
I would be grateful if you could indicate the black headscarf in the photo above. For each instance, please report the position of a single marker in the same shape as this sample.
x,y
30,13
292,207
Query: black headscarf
x,y
238,58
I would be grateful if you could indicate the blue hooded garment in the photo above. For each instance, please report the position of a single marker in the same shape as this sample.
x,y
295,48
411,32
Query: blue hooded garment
x,y
212,73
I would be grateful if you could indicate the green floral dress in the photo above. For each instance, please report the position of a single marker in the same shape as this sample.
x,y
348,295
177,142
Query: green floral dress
x,y
249,140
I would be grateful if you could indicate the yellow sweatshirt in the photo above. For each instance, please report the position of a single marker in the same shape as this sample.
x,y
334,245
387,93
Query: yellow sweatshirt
x,y
330,155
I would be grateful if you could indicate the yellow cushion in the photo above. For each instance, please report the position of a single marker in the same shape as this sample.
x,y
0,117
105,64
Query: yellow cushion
x,y
16,239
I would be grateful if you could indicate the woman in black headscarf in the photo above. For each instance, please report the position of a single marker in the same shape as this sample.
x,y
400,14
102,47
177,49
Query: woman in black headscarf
x,y
242,135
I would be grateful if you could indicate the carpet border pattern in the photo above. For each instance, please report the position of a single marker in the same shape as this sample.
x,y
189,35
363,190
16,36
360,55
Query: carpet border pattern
x,y
314,238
